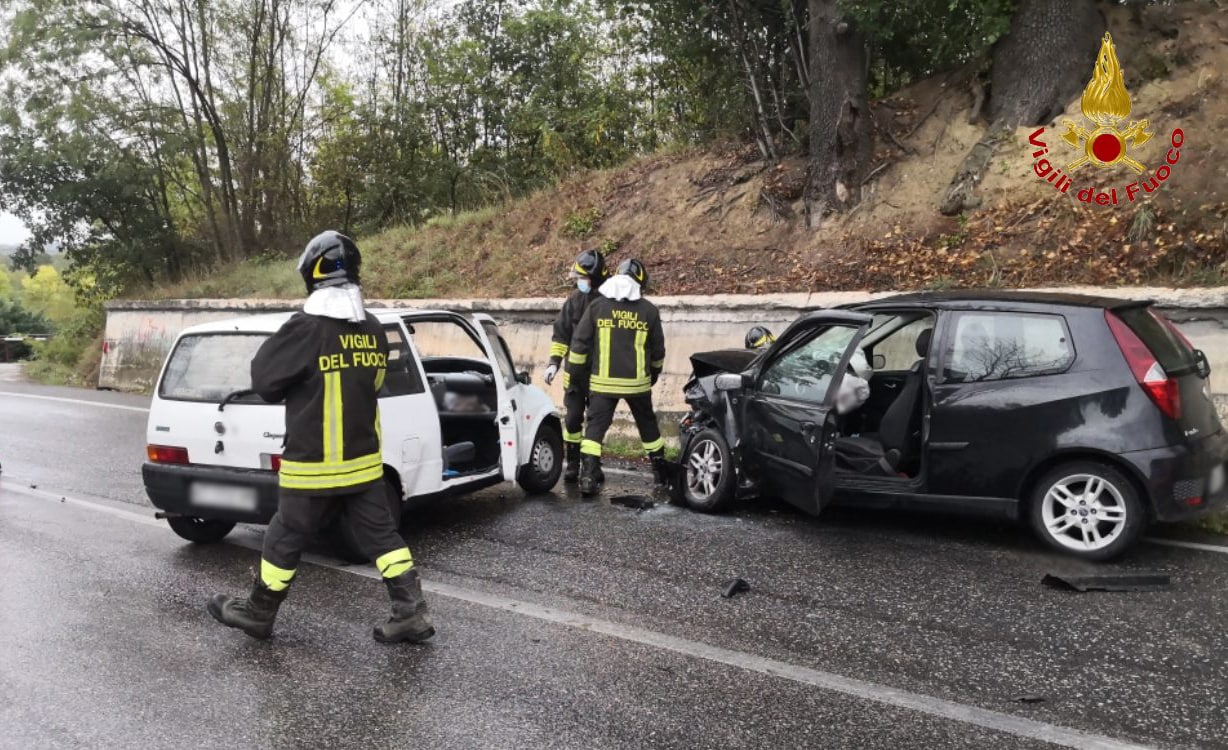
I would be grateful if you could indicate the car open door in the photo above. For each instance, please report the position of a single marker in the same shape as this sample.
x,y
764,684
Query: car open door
x,y
791,421
507,389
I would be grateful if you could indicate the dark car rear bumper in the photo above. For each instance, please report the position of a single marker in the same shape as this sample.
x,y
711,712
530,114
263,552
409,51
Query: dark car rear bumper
x,y
1176,475
240,495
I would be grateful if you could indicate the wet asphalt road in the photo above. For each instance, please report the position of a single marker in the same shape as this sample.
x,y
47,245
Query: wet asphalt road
x,y
576,624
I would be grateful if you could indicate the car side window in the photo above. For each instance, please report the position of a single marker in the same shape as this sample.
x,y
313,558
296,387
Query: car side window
x,y
502,355
997,346
899,350
805,371
401,377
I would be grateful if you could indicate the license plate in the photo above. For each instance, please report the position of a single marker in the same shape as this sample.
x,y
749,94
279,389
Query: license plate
x,y
1216,482
222,496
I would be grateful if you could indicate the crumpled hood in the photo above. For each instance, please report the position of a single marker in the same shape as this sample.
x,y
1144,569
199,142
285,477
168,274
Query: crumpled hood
x,y
621,287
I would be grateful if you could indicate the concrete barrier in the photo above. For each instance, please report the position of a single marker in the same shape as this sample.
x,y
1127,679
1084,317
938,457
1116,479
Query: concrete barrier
x,y
139,333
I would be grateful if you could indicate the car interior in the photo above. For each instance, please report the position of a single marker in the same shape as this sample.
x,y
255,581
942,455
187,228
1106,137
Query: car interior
x,y
882,437
461,380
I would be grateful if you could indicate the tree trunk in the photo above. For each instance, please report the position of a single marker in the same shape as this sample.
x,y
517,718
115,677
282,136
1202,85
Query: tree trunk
x,y
1038,68
841,141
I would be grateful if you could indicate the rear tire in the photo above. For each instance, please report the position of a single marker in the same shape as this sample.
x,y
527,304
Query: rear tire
x,y
200,530
1087,509
545,464
341,537
708,472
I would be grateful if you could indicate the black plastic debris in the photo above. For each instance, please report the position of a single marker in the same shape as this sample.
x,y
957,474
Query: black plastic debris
x,y
733,587
635,502
1029,698
1107,581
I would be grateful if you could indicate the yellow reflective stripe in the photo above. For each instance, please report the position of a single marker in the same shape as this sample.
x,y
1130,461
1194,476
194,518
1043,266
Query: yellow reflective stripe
x,y
577,359
379,430
330,481
591,448
327,417
655,445
641,338
566,379
335,467
641,382
603,348
558,350
379,379
395,562
334,435
339,445
658,364
572,437
273,577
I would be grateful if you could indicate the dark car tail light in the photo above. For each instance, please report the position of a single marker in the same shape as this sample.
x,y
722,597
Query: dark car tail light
x,y
1162,389
167,454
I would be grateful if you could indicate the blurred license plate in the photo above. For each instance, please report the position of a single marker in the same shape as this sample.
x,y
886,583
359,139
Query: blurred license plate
x,y
223,496
1216,482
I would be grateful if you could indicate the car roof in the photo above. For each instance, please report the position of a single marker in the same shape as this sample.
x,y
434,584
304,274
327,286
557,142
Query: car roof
x,y
270,322
971,298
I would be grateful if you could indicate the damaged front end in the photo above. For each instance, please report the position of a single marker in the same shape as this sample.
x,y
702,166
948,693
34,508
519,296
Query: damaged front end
x,y
713,394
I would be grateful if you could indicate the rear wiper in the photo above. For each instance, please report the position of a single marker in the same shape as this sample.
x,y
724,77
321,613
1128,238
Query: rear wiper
x,y
233,396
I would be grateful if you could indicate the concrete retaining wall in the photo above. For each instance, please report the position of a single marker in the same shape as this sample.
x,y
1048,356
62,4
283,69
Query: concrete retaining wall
x,y
139,334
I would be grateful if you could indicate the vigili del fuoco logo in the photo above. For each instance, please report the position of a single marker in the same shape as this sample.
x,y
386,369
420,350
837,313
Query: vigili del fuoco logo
x,y
1106,142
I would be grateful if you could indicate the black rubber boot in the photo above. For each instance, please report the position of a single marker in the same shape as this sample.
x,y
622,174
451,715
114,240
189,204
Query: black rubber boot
x,y
572,474
591,476
660,471
410,619
253,615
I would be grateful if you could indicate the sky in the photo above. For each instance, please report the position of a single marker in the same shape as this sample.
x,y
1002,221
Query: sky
x,y
12,230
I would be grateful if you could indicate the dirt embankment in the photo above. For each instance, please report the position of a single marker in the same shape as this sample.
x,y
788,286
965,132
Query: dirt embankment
x,y
720,220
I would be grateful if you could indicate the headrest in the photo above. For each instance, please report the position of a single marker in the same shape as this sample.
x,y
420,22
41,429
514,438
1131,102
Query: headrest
x,y
923,342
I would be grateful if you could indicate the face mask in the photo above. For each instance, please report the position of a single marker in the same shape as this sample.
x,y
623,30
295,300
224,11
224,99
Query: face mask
x,y
583,285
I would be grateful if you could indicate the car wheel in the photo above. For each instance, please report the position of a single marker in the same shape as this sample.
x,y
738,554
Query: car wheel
x,y
341,537
200,530
708,472
545,464
1087,508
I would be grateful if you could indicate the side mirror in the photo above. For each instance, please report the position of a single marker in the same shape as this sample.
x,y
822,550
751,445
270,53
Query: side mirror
x,y
1200,361
728,381
879,362
523,378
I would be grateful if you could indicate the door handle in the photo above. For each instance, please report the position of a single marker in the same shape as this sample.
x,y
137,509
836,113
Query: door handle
x,y
808,427
504,419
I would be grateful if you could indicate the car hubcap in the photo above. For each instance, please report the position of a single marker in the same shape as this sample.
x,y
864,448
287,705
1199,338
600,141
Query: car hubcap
x,y
1084,512
703,470
543,457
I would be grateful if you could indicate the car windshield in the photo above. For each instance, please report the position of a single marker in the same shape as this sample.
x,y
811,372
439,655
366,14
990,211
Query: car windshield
x,y
209,367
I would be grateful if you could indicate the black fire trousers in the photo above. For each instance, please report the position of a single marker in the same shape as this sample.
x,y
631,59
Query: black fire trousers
x,y
574,404
601,416
300,516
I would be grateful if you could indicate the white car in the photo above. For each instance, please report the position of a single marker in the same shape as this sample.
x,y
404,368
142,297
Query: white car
x,y
455,418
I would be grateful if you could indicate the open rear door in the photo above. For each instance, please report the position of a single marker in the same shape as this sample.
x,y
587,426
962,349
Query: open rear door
x,y
507,389
790,412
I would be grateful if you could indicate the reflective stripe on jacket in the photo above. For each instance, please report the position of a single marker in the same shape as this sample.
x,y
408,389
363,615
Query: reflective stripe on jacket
x,y
618,348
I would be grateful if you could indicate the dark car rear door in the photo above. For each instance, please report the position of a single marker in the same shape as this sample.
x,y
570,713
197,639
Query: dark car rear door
x,y
790,423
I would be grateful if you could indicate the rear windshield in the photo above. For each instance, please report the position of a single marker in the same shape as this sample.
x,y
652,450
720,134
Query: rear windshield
x,y
1150,326
209,367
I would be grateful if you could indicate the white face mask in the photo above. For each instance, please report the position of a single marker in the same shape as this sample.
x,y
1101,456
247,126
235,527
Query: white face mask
x,y
583,285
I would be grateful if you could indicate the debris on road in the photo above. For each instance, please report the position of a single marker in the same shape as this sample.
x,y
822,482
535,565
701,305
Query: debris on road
x,y
1029,698
636,502
734,586
1108,581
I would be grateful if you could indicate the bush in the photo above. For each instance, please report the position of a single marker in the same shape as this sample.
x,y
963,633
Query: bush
x,y
72,355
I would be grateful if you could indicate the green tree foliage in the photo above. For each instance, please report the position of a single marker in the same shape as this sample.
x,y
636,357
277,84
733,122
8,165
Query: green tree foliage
x,y
15,319
45,293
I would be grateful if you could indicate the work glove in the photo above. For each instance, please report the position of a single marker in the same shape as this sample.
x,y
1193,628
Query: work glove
x,y
551,371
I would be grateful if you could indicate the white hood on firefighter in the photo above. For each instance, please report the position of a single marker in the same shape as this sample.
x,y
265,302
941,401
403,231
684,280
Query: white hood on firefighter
x,y
343,302
621,286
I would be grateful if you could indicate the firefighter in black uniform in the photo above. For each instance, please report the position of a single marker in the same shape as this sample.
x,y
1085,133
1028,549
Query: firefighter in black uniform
x,y
589,273
328,364
618,352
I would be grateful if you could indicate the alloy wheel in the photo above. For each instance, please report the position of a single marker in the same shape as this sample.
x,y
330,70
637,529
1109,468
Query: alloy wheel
x,y
1084,512
703,470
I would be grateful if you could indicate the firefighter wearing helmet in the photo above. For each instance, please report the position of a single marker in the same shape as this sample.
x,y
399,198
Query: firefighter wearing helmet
x,y
618,352
328,363
589,273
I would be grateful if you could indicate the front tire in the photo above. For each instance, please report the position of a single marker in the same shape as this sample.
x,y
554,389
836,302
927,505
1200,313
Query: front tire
x,y
545,464
1088,509
708,472
341,537
200,530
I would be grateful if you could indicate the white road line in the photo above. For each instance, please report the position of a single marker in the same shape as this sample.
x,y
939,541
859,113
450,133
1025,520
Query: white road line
x,y
75,401
1188,545
980,717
